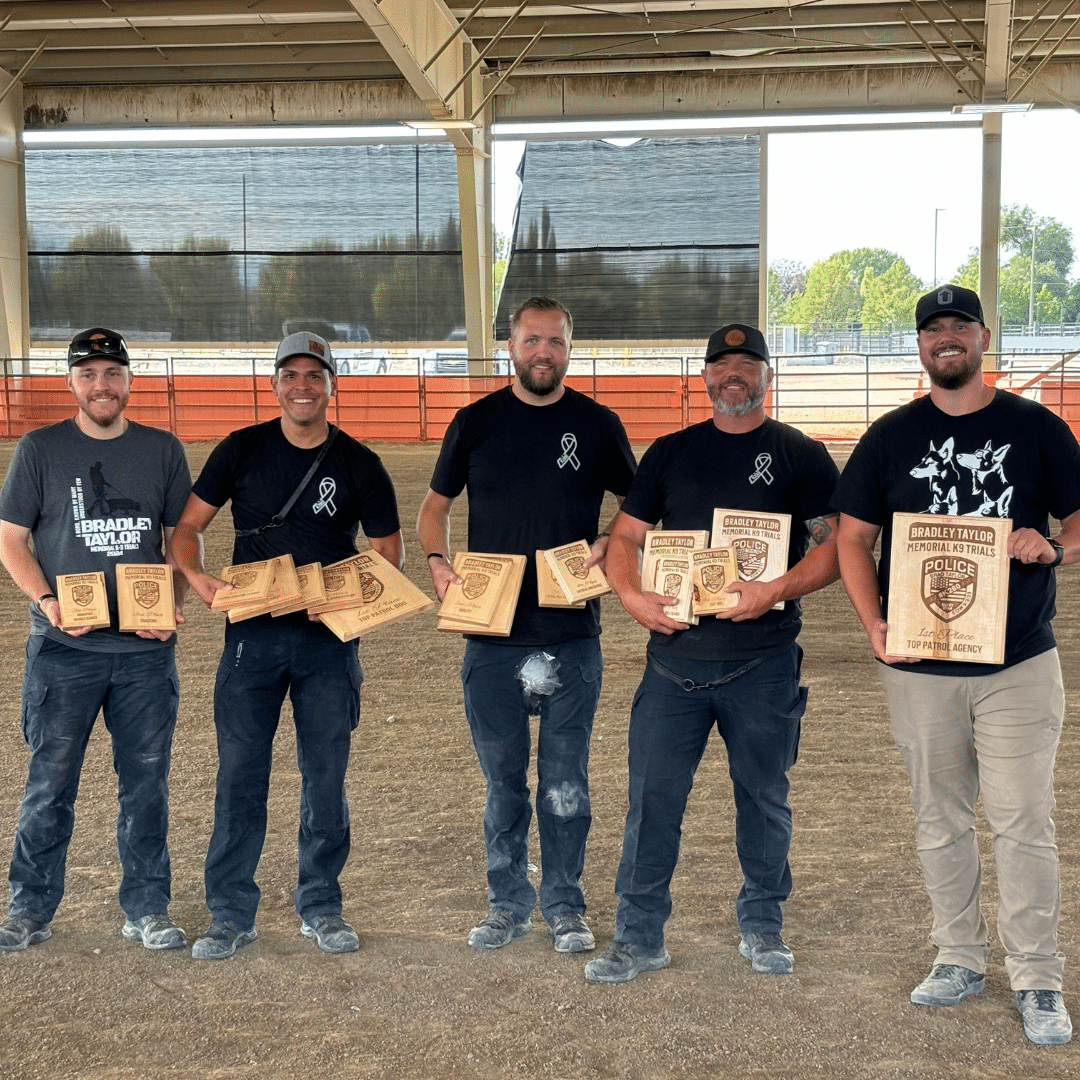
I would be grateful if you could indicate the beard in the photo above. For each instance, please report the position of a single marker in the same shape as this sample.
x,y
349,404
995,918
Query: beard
x,y
754,398
955,378
533,385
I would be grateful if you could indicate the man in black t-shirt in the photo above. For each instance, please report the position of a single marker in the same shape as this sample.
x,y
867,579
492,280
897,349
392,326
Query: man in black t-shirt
x,y
536,458
259,468
738,671
966,729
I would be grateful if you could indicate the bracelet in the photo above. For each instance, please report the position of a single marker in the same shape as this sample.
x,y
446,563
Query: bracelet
x,y
45,596
437,555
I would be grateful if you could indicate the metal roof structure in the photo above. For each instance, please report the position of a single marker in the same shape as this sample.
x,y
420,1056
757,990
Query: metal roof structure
x,y
463,66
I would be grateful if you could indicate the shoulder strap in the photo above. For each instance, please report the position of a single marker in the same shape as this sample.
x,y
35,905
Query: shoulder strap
x,y
279,518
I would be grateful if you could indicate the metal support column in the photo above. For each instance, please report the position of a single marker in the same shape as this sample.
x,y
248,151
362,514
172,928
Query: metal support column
x,y
14,301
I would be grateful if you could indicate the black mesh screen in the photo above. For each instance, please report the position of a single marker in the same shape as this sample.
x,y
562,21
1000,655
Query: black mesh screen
x,y
235,243
654,240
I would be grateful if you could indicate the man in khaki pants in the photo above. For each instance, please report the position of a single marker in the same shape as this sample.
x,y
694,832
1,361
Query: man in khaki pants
x,y
965,728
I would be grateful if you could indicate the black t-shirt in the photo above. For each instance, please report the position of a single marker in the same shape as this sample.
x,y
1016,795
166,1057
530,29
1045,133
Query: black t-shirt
x,y
1011,459
258,468
536,477
684,476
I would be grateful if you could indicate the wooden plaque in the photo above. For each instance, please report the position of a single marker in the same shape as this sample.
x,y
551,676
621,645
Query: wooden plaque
x,y
475,599
387,595
549,592
284,590
341,588
83,600
250,582
144,596
310,580
661,544
712,571
948,588
502,617
761,542
566,562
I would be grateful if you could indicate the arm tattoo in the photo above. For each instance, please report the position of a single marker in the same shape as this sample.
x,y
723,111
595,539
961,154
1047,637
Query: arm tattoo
x,y
821,528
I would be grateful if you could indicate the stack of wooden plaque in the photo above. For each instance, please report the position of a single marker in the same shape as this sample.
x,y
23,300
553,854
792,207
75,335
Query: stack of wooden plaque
x,y
760,541
566,564
549,592
383,594
284,590
948,588
485,601
144,596
250,585
666,568
83,601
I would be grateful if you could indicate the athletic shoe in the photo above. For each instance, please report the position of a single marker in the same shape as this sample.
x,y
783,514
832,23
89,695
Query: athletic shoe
x,y
1046,1020
622,961
17,932
221,940
767,953
498,928
155,932
572,934
331,933
947,984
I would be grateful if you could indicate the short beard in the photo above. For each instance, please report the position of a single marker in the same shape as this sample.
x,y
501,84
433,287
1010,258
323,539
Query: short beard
x,y
737,408
953,380
525,377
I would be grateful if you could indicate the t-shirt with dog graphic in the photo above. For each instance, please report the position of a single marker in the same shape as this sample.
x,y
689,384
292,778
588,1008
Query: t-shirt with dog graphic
x,y
1014,458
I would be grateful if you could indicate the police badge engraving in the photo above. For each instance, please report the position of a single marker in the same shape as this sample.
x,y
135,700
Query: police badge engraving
x,y
948,588
144,596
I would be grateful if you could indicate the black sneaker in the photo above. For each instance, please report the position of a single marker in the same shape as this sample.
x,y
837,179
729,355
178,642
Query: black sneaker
x,y
331,933
947,984
221,940
1046,1020
572,934
17,932
498,928
768,953
621,962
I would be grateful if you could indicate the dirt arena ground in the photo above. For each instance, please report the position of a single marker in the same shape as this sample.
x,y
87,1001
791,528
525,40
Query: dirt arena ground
x,y
415,1001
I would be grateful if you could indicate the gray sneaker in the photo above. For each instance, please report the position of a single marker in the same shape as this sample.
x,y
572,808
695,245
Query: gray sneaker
x,y
155,932
221,940
17,932
331,933
498,928
622,961
572,934
768,953
1046,1020
947,984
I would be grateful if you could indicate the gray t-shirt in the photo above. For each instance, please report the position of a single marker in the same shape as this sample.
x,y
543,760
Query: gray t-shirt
x,y
92,503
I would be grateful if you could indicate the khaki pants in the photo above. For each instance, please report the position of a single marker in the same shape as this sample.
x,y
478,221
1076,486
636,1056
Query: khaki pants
x,y
998,734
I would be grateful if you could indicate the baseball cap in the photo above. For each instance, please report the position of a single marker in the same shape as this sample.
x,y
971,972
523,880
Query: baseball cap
x,y
304,343
949,300
737,337
97,343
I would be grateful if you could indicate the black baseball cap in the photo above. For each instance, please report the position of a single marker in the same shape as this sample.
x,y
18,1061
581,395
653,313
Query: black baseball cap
x,y
737,337
97,343
949,300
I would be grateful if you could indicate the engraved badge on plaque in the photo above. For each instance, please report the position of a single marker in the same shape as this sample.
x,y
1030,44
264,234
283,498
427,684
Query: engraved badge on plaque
x,y
147,593
371,587
475,585
949,585
83,594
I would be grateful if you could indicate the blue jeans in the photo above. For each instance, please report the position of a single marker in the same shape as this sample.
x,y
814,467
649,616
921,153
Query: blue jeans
x,y
63,689
758,712
498,717
263,660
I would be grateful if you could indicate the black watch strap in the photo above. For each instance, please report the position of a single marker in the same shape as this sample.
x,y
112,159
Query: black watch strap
x,y
1060,553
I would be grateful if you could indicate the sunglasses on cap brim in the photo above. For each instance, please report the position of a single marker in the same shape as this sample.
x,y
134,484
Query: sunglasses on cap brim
x,y
98,344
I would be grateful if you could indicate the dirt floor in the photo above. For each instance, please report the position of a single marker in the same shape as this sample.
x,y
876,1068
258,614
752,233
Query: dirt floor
x,y
415,1001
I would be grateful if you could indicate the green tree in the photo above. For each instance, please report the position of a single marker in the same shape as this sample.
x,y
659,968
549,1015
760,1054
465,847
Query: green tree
x,y
889,298
202,292
831,297
877,259
787,278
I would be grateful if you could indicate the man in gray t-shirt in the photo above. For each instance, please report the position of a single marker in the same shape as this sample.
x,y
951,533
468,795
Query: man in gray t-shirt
x,y
80,497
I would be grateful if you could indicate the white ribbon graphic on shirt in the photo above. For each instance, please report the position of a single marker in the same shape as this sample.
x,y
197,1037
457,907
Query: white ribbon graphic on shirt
x,y
762,461
569,445
327,488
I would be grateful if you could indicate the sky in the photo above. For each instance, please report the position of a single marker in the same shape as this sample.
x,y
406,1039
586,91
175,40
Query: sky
x,y
828,191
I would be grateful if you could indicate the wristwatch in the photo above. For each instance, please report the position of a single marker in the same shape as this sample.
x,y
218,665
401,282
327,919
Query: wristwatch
x,y
52,596
1060,553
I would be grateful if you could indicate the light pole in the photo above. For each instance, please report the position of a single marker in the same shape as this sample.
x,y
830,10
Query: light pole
x,y
937,210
